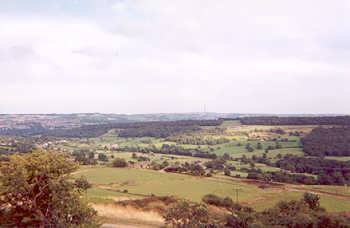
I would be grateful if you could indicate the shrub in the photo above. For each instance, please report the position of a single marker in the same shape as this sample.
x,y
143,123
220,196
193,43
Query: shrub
x,y
218,201
82,183
227,172
37,192
119,163
102,157
185,214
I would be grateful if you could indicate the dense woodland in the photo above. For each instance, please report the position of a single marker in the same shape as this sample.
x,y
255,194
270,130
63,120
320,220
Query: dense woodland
x,y
156,130
163,129
170,149
30,130
281,176
323,171
275,120
132,129
328,171
333,141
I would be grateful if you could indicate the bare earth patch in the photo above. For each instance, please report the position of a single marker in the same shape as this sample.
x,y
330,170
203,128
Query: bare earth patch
x,y
125,216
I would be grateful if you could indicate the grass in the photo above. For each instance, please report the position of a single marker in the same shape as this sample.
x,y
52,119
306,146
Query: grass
x,y
237,148
340,158
240,151
147,182
330,203
230,124
98,195
231,130
156,157
141,182
108,183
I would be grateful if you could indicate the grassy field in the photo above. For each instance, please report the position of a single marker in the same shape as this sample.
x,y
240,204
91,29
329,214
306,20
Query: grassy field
x,y
171,159
236,151
109,183
340,158
232,130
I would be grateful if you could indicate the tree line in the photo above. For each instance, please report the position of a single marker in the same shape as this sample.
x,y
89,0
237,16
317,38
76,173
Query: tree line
x,y
197,140
334,141
281,176
133,129
314,120
170,149
330,172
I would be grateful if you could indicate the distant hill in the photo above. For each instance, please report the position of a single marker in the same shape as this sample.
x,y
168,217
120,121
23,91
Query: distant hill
x,y
51,121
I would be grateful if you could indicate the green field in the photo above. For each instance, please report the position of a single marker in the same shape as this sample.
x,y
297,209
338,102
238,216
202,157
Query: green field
x,y
109,183
340,158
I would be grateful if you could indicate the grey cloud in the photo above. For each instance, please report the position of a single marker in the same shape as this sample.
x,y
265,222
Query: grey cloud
x,y
17,53
159,56
96,52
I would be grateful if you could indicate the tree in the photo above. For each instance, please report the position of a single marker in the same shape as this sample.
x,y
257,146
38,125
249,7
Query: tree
x,y
184,214
102,157
226,202
249,147
91,155
312,200
119,163
82,183
226,157
84,157
227,172
278,145
37,192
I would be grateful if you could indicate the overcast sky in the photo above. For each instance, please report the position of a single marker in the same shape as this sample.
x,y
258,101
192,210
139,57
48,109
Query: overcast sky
x,y
147,56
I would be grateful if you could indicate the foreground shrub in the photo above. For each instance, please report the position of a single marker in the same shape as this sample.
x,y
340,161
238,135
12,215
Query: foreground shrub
x,y
185,214
36,191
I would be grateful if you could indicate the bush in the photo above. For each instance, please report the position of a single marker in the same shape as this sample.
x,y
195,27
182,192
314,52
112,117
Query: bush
x,y
40,182
102,157
82,183
215,200
119,163
249,147
227,172
312,200
259,146
185,214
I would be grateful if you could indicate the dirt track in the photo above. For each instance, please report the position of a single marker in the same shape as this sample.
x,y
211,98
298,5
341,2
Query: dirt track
x,y
126,217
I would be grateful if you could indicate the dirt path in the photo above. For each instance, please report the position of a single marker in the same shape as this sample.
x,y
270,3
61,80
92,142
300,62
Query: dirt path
x,y
107,225
125,217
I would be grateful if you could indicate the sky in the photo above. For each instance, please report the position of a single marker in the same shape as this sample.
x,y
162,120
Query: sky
x,y
163,56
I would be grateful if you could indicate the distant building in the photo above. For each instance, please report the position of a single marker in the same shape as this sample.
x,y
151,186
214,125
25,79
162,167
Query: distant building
x,y
114,147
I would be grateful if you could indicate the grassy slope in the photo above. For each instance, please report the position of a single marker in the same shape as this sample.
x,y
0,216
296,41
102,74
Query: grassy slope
x,y
146,182
140,182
